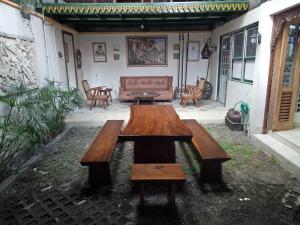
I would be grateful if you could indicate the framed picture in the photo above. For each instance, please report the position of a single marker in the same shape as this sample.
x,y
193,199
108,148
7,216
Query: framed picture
x,y
176,55
99,52
193,50
66,49
175,47
147,51
116,56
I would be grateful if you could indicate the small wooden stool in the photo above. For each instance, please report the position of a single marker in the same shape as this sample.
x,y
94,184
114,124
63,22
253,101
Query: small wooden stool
x,y
107,91
162,173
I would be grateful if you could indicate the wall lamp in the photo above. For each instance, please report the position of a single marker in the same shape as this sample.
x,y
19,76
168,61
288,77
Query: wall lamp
x,y
255,38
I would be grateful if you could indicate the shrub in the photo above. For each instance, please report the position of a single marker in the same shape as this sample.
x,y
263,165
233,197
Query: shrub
x,y
34,117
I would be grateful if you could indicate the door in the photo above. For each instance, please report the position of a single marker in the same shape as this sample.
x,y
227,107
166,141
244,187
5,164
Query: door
x,y
69,51
287,97
224,69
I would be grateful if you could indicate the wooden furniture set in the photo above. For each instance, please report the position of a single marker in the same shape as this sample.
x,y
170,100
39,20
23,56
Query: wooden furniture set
x,y
159,84
101,94
154,128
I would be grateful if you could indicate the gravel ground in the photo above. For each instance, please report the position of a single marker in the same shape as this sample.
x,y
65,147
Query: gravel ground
x,y
256,190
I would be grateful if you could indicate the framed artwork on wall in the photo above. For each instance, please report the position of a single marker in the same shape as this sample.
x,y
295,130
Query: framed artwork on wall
x,y
193,50
147,51
99,52
116,56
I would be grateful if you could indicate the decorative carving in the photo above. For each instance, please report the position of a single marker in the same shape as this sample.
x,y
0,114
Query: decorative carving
x,y
279,22
16,62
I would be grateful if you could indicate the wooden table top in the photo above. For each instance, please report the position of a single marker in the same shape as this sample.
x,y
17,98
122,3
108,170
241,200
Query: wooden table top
x,y
155,121
157,172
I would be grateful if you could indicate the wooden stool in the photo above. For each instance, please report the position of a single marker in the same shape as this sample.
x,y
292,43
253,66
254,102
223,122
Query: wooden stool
x,y
162,173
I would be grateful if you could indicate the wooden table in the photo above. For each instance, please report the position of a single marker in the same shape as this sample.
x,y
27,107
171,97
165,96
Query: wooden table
x,y
154,128
141,95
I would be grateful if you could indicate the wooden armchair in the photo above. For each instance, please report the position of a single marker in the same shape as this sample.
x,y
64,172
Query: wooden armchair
x,y
194,93
94,94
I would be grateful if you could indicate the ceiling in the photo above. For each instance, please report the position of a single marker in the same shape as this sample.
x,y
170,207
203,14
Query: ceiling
x,y
166,16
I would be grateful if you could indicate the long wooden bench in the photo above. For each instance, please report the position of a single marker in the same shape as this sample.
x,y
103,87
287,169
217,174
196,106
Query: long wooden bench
x,y
99,153
166,173
211,153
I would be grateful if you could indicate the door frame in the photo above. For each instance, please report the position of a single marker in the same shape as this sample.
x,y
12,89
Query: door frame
x,y
219,70
278,75
74,56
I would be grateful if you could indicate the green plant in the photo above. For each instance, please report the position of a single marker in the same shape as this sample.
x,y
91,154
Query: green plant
x,y
34,116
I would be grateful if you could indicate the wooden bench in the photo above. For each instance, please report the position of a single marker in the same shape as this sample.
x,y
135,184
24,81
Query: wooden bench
x,y
165,173
99,153
211,153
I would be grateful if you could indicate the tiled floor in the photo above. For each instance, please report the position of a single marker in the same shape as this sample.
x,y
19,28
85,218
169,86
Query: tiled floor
x,y
209,112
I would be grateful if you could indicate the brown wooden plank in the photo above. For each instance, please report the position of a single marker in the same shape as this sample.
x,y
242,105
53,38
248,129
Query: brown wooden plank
x,y
157,172
103,145
155,121
206,145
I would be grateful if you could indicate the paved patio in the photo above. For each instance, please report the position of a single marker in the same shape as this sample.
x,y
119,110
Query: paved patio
x,y
209,112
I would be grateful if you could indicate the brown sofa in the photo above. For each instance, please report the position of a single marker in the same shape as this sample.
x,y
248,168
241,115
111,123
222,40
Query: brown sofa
x,y
159,84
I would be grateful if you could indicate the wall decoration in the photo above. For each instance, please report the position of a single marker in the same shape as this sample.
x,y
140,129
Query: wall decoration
x,y
147,51
78,59
176,47
116,48
99,52
16,62
176,55
193,50
116,56
66,48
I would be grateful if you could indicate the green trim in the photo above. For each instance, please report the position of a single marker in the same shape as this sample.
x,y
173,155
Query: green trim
x,y
146,8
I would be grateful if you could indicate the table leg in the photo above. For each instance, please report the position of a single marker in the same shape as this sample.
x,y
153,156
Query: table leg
x,y
155,150
99,175
171,194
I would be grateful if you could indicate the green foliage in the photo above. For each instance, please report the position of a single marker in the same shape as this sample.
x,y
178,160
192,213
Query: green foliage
x,y
241,154
34,117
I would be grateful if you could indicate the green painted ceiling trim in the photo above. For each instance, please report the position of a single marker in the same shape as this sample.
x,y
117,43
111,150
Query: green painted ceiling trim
x,y
145,8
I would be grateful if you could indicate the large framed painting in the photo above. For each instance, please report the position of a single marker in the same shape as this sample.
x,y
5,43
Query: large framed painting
x,y
99,52
147,51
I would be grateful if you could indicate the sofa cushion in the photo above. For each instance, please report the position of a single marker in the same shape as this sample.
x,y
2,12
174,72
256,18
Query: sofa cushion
x,y
148,83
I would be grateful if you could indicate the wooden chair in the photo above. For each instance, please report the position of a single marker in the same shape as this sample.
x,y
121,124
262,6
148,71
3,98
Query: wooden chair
x,y
193,93
94,94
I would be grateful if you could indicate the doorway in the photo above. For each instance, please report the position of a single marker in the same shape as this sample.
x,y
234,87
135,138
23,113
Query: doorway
x,y
287,58
224,69
71,73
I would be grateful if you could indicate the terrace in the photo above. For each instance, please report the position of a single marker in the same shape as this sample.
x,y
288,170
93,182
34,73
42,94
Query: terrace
x,y
117,112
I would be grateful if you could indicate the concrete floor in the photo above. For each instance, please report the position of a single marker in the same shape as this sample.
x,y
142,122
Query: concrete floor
x,y
209,112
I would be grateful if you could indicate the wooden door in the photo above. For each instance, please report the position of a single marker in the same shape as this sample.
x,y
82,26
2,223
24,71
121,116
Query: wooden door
x,y
225,68
287,65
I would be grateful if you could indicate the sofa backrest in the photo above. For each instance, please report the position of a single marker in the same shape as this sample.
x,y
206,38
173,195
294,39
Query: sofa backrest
x,y
146,83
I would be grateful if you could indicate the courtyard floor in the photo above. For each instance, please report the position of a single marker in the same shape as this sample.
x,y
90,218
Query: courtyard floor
x,y
54,190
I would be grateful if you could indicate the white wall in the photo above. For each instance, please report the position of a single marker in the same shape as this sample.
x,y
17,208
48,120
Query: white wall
x,y
47,63
256,94
108,73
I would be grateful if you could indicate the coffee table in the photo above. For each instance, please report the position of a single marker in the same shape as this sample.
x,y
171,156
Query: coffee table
x,y
144,95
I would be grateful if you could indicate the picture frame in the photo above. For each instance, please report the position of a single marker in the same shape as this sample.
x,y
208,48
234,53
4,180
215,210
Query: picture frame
x,y
176,55
146,51
176,47
99,52
193,50
116,56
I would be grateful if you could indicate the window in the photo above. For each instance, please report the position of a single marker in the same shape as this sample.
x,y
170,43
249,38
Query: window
x,y
244,52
